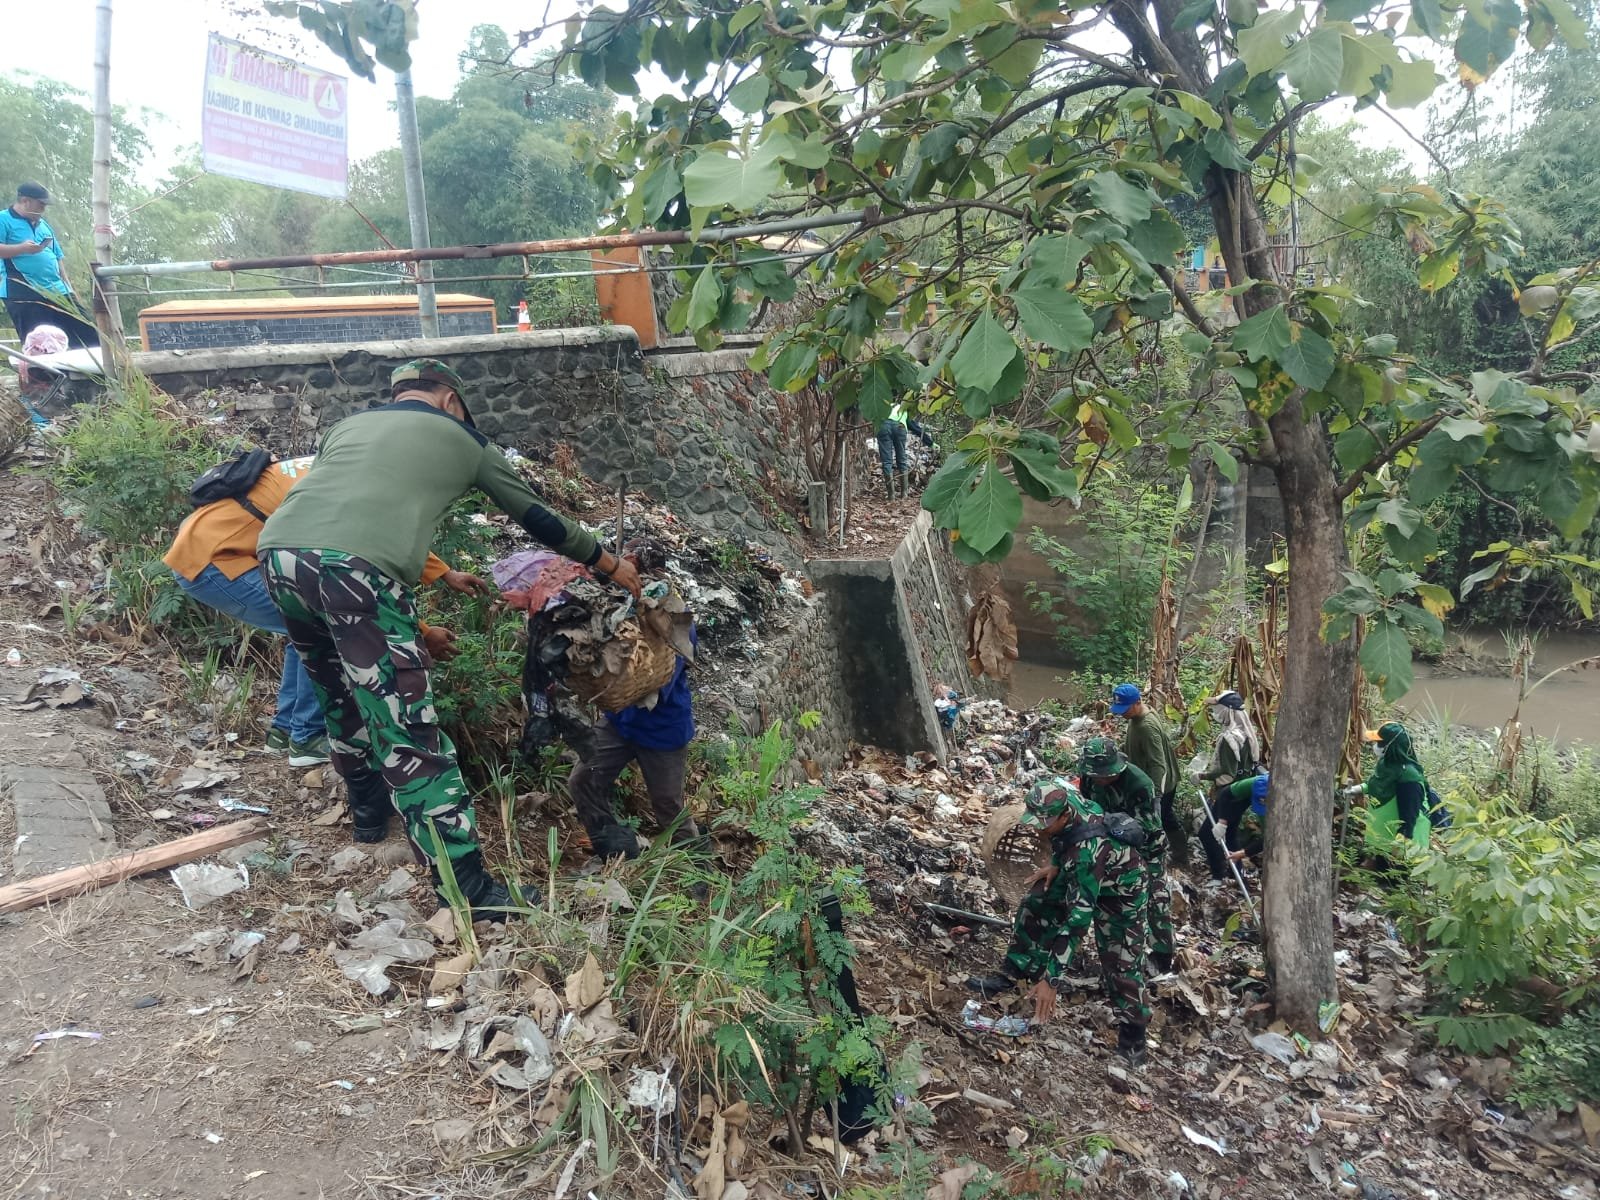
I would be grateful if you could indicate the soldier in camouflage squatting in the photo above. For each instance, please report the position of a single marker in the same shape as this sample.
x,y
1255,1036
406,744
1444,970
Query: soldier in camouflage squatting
x,y
1117,786
341,555
1093,879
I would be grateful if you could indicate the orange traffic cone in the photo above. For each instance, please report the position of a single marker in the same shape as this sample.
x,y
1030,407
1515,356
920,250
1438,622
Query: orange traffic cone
x,y
523,324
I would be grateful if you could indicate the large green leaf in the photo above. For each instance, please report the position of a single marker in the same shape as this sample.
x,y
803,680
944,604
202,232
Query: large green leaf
x,y
750,95
1386,658
1119,199
1158,237
1045,468
1054,317
1411,83
1308,358
1265,44
1487,38
1264,335
986,351
705,299
943,493
990,511
1403,516
1315,62
715,179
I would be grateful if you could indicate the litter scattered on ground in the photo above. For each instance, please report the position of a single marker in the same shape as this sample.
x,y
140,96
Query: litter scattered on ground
x,y
53,1035
205,883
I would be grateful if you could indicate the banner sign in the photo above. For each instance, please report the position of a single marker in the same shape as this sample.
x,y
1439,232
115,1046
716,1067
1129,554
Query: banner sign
x,y
271,120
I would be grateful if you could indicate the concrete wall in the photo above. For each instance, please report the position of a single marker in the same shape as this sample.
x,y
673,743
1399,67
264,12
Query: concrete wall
x,y
901,625
697,430
799,670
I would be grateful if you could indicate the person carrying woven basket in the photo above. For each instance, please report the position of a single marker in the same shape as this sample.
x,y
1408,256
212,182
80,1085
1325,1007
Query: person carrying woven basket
x,y
341,556
654,733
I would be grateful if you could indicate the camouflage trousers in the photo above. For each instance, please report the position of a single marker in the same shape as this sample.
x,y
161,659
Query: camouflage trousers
x,y
1158,896
357,632
1042,933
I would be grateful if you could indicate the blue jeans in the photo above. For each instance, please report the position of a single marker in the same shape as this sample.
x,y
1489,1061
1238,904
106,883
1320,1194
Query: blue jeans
x,y
245,599
892,446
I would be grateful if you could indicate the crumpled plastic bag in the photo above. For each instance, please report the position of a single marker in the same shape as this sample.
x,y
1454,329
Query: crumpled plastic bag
x,y
202,883
372,953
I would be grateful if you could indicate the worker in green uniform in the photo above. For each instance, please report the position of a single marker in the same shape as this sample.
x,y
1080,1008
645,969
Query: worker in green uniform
x,y
1400,787
341,555
1117,786
1239,831
1094,879
1148,746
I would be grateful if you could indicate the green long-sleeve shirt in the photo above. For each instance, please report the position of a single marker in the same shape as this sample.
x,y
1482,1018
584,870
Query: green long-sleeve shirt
x,y
386,477
1149,748
1129,792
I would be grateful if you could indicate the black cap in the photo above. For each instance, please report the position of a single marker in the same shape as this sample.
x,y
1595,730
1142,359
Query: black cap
x,y
33,191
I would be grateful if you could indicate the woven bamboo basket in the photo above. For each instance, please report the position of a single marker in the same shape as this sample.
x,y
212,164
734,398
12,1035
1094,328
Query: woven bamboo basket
x,y
15,424
647,668
1012,853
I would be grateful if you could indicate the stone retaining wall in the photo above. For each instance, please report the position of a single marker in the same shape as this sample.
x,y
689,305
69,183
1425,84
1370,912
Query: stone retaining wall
x,y
699,431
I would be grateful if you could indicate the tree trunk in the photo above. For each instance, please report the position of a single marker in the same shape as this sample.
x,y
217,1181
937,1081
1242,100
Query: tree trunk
x,y
1309,733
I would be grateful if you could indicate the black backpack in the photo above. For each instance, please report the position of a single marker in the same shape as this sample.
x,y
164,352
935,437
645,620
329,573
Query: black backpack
x,y
1119,827
232,479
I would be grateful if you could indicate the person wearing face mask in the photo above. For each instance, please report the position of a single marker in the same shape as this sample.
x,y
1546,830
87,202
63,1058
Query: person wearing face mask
x,y
1236,756
1400,787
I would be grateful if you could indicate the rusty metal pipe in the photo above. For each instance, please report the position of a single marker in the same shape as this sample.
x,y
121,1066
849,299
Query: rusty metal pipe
x,y
611,241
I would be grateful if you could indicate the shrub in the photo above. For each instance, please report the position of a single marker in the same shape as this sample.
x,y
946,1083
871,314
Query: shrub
x,y
128,466
1508,907
1561,1066
1109,564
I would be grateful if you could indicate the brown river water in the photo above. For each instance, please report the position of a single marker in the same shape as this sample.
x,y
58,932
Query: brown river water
x,y
1566,708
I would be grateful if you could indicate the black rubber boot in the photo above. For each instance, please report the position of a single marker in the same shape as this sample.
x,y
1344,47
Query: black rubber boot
x,y
615,841
1161,962
1131,1044
990,986
905,484
370,806
485,895
888,485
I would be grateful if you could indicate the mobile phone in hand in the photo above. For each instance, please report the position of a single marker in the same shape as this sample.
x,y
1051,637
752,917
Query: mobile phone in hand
x,y
48,242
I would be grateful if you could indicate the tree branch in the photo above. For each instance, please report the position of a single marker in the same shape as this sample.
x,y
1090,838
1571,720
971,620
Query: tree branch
x,y
1387,455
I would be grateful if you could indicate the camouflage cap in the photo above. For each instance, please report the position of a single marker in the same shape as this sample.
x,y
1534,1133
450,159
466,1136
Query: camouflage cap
x,y
431,370
1049,798
1101,757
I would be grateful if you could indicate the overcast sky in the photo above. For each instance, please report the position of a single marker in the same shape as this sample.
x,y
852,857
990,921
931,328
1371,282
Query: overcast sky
x,y
159,46
158,50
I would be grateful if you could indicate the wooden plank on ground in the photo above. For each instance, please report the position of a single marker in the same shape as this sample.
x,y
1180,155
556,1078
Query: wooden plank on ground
x,y
74,881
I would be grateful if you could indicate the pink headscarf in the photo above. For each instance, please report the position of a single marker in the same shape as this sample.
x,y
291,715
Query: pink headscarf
x,y
45,339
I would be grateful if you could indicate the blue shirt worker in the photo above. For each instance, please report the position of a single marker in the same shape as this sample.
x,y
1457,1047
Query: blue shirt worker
x,y
657,738
34,286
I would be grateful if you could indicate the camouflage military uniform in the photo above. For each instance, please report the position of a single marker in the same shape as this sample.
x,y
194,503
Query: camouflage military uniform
x,y
357,632
1098,882
1130,791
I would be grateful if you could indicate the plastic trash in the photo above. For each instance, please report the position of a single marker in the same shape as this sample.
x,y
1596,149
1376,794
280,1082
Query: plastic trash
x,y
53,1035
202,883
972,1017
230,804
1275,1045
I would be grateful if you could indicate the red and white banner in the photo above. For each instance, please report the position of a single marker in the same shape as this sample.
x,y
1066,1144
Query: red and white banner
x,y
271,120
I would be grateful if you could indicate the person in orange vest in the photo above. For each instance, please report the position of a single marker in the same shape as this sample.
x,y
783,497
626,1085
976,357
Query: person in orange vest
x,y
523,323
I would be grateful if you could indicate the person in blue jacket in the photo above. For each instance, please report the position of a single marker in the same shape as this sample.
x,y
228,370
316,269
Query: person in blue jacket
x,y
657,738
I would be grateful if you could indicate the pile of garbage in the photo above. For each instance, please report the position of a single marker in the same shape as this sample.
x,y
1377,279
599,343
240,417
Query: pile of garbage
x,y
1229,1105
918,827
